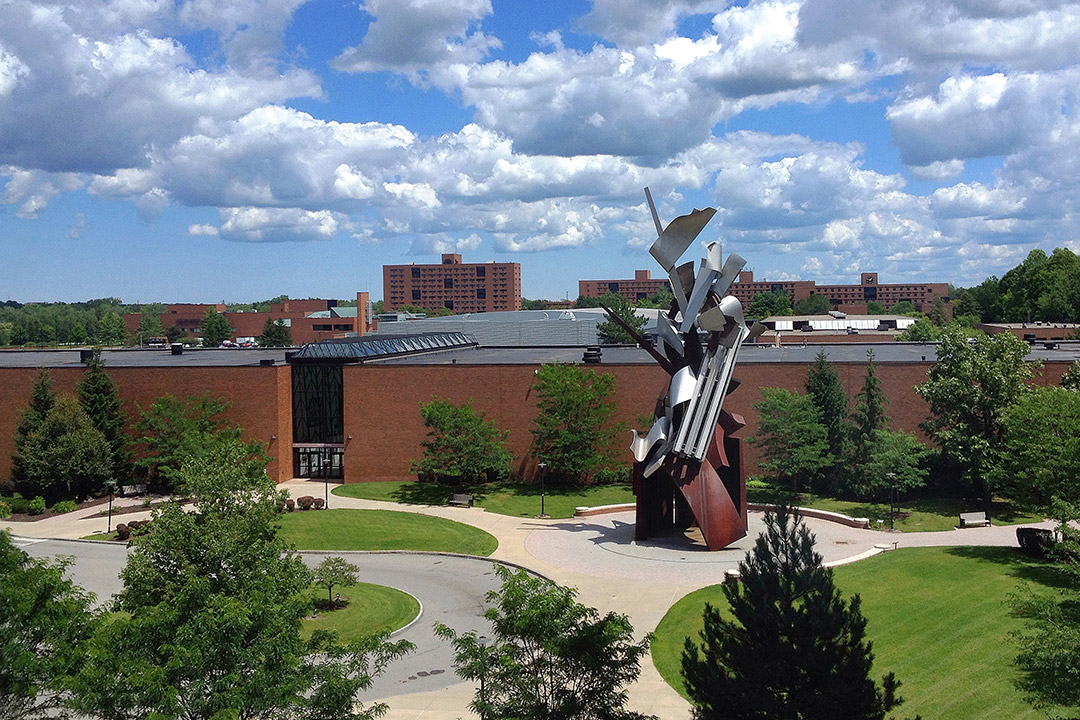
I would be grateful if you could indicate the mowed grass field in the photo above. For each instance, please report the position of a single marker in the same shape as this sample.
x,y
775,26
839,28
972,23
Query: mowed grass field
x,y
342,529
371,609
938,617
517,500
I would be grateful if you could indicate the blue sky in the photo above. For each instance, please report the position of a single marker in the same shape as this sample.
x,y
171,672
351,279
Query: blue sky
x,y
200,150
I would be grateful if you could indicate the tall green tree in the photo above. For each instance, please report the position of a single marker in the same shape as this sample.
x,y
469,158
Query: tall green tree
x,y
1039,458
551,657
794,442
214,328
922,330
275,333
462,446
110,330
45,623
172,430
793,649
895,462
769,303
610,332
969,388
823,387
813,305
1070,380
937,312
66,457
212,604
149,326
100,397
42,399
869,414
572,429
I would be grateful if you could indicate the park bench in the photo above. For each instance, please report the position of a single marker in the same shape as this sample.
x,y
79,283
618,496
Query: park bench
x,y
974,519
461,499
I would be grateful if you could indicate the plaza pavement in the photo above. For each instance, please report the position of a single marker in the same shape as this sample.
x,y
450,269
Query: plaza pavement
x,y
597,556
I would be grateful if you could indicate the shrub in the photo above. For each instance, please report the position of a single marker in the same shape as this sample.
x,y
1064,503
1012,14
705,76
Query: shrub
x,y
36,506
139,527
319,503
123,532
19,504
5,510
290,505
147,501
305,502
65,506
612,475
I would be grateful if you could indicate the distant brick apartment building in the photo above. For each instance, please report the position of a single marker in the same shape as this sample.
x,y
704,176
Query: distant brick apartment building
x,y
848,298
641,287
454,285
308,320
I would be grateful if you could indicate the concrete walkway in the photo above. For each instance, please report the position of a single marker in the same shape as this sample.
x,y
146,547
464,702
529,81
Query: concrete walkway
x,y
596,555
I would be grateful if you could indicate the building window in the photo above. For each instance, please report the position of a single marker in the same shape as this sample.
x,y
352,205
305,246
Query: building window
x,y
323,328
415,294
416,272
481,293
449,304
613,287
448,283
481,271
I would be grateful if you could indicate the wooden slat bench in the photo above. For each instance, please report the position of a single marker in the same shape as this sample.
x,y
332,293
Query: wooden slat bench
x,y
461,499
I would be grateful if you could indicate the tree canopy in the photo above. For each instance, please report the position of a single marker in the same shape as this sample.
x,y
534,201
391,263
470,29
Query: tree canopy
x,y
823,387
214,328
462,446
793,649
172,430
551,657
813,305
610,332
100,397
794,443
572,428
66,457
275,333
769,303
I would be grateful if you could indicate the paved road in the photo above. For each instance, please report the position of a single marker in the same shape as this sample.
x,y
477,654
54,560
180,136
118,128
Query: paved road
x,y
451,590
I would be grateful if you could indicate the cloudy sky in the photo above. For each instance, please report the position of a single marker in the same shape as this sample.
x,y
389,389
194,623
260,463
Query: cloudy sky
x,y
207,150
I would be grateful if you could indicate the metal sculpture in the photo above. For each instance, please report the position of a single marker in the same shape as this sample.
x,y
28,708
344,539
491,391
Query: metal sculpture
x,y
688,467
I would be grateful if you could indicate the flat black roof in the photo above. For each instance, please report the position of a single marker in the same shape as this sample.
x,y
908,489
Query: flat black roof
x,y
885,352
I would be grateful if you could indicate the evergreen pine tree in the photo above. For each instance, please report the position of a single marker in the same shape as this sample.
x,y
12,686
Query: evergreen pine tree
x,y
42,399
99,397
824,388
794,650
869,412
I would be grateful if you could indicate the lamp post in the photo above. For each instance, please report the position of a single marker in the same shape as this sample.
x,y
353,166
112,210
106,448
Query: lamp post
x,y
892,496
543,471
112,486
483,640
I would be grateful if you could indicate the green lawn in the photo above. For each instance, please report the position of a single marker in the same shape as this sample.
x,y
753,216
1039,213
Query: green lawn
x,y
518,500
371,609
939,618
918,515
341,529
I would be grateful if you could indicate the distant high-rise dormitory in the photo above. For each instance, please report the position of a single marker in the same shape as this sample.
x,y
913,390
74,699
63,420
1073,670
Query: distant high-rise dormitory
x,y
454,285
842,297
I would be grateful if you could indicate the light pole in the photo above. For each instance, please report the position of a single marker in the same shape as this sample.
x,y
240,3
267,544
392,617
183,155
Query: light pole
x,y
483,640
892,496
112,486
543,471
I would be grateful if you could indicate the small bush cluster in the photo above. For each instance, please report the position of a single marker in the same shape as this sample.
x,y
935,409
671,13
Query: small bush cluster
x,y
65,506
319,503
36,506
305,502
139,527
5,510
17,503
619,474
290,505
123,532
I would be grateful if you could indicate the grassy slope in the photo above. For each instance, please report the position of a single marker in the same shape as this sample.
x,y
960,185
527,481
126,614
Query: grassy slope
x,y
939,618
340,529
501,498
371,609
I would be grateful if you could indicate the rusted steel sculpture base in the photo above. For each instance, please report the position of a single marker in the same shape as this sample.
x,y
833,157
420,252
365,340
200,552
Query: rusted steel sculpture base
x,y
710,494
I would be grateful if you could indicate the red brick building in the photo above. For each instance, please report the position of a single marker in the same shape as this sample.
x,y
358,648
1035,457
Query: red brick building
x,y
454,285
641,287
847,298
309,320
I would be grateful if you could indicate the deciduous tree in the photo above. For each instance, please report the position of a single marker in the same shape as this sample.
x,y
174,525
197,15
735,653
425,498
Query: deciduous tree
x,y
769,303
110,330
1071,379
551,658
45,622
572,428
794,442
335,571
462,446
213,602
171,430
813,305
794,649
969,388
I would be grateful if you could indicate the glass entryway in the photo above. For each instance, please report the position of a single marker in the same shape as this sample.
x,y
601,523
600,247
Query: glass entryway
x,y
319,462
